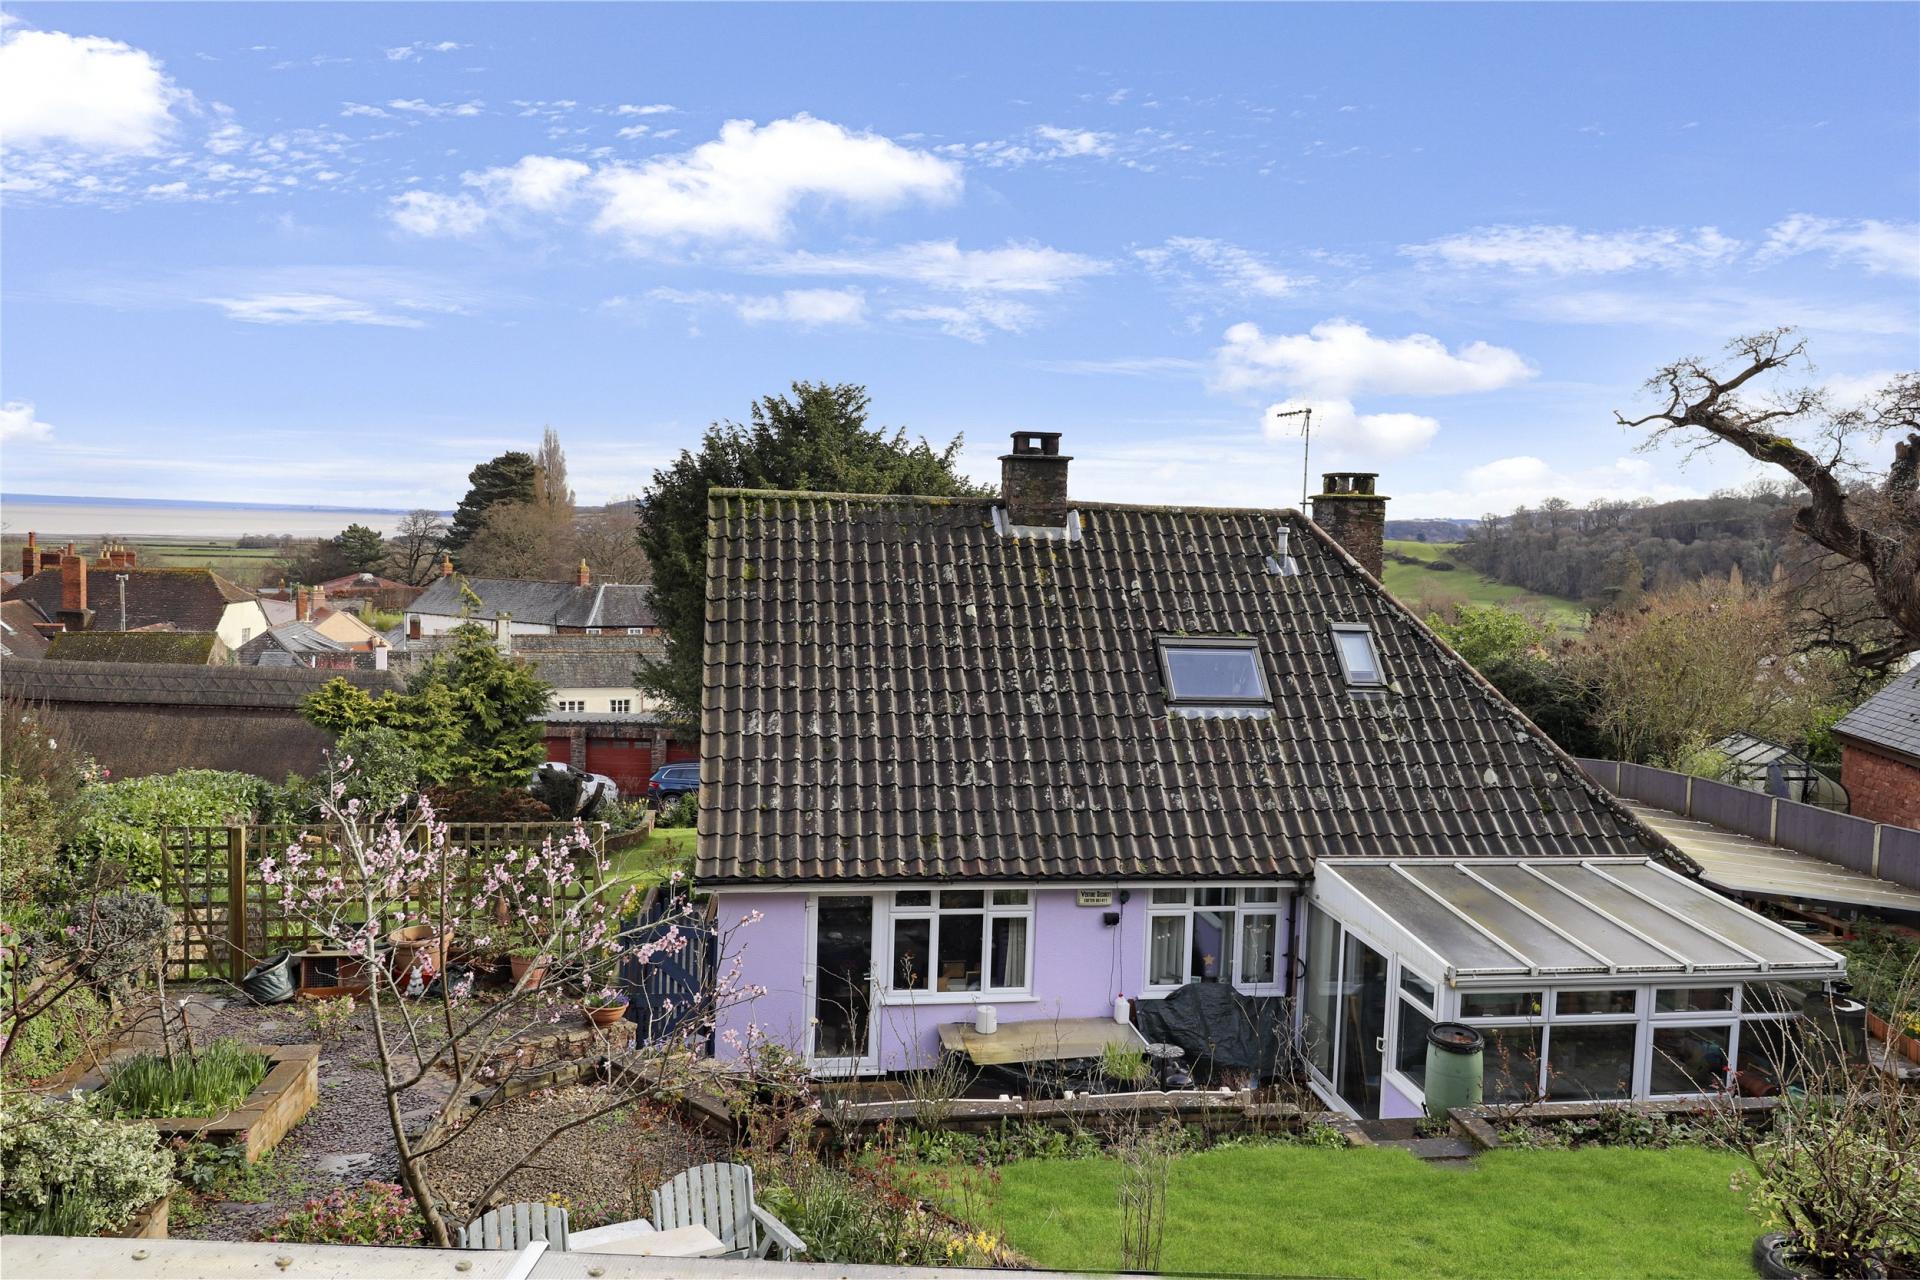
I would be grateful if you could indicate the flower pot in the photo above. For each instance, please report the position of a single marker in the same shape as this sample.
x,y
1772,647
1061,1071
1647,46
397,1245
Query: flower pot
x,y
605,1015
417,944
531,969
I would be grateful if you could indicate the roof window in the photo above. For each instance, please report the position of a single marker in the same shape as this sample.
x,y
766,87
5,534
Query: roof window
x,y
1359,659
1222,671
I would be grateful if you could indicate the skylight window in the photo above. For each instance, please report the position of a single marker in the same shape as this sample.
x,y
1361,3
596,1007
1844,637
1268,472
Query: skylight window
x,y
1208,671
1359,659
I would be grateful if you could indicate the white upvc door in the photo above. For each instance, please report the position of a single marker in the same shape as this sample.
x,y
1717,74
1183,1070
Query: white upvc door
x,y
842,963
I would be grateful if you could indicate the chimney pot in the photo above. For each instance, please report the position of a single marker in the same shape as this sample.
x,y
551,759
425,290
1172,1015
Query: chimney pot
x,y
446,565
1354,515
1033,480
582,577
30,558
302,604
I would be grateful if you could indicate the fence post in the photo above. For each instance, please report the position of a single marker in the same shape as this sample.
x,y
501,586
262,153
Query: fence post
x,y
236,902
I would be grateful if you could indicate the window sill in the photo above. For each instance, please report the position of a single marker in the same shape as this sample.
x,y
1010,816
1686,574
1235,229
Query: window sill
x,y
905,998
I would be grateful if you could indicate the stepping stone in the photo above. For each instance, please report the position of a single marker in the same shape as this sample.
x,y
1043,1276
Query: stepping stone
x,y
344,1164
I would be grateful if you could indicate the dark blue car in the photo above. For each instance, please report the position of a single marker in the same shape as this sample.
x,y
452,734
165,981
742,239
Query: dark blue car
x,y
672,781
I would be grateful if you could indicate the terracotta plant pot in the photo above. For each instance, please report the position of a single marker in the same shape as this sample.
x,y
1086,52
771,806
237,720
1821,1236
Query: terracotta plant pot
x,y
605,1015
415,942
531,968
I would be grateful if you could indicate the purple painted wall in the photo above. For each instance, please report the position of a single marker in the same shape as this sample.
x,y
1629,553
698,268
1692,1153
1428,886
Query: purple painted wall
x,y
1079,965
1395,1105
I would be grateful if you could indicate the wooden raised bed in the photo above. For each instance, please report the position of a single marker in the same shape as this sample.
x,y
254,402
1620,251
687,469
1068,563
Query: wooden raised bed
x,y
149,1223
277,1103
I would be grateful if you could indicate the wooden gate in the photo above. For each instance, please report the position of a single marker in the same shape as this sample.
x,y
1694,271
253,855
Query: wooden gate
x,y
667,990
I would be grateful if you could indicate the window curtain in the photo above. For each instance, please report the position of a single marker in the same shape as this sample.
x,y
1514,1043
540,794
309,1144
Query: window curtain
x,y
1166,952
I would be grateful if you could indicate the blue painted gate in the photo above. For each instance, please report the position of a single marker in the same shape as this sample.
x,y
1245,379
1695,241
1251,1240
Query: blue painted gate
x,y
663,993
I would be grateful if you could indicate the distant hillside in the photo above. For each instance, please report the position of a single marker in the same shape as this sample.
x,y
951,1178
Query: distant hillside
x,y
1432,530
1427,577
1586,553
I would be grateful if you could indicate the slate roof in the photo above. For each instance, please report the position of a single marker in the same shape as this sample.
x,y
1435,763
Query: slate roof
x,y
138,683
287,638
554,604
201,647
18,638
190,599
1890,719
894,690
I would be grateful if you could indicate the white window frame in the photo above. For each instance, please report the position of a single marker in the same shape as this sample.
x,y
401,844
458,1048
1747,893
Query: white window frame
x,y
570,704
1241,909
1398,972
593,631
1379,680
620,706
988,911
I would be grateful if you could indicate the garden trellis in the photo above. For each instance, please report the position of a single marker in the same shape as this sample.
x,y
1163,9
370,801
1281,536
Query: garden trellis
x,y
205,871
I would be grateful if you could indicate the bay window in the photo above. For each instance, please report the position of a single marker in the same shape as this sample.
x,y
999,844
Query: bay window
x,y
951,941
1218,934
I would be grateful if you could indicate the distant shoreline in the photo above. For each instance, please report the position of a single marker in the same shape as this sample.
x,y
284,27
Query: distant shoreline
x,y
77,517
57,499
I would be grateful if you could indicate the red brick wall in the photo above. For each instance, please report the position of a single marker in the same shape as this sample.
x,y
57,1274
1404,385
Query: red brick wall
x,y
1881,788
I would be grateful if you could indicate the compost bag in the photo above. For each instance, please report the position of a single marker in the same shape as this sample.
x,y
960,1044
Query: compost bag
x,y
270,981
1219,1028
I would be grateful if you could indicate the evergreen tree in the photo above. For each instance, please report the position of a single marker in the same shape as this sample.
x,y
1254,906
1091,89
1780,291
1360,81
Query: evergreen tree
x,y
507,478
815,438
359,549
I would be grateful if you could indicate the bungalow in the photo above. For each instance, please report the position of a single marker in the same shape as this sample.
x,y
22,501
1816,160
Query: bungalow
x,y
525,607
1040,753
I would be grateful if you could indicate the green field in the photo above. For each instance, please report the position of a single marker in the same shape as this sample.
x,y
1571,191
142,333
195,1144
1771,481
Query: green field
x,y
1424,588
1294,1211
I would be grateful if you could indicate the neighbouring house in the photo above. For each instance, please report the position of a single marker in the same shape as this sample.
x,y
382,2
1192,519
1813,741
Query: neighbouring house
x,y
21,634
302,644
1880,753
115,594
141,718
149,644
528,608
1040,753
370,589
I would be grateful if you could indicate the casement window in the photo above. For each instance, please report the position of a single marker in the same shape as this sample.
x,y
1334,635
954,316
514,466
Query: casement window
x,y
952,941
593,631
1359,656
621,706
1217,934
1213,671
570,704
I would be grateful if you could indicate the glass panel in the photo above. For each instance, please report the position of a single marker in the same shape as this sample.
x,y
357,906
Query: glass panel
x,y
1500,1004
1363,1021
1442,931
1213,897
1590,1060
1322,980
1736,924
1415,985
1212,946
1570,1004
913,898
1693,999
1167,951
1210,672
962,899
1776,997
1169,897
1410,1051
1644,916
1356,652
1009,951
960,938
1773,1052
912,952
1511,1064
1576,917
843,959
1512,926
1257,894
1689,1059
1009,897
1259,934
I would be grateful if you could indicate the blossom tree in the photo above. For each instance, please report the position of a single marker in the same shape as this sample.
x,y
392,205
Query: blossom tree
x,y
373,875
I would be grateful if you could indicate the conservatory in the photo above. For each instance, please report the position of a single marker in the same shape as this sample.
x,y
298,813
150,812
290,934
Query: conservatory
x,y
1591,979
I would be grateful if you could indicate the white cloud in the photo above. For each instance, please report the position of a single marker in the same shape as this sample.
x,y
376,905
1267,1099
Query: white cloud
x,y
972,320
1560,250
806,308
1337,426
428,213
1880,247
650,109
1339,358
435,110
365,109
310,308
19,425
747,182
409,52
1226,267
543,184
1525,480
84,92
1038,145
634,131
943,264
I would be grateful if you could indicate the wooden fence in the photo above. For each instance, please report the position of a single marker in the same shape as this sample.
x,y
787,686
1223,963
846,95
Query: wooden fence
x,y
227,918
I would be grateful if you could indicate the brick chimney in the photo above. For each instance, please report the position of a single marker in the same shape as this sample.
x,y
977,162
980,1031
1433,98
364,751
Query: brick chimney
x,y
73,593
446,565
1033,480
1354,516
581,576
302,604
30,558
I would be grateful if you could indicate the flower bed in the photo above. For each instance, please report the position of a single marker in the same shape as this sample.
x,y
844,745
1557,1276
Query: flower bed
x,y
281,1100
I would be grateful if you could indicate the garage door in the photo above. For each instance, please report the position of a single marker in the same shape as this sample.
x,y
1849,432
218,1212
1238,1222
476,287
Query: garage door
x,y
683,752
627,761
560,749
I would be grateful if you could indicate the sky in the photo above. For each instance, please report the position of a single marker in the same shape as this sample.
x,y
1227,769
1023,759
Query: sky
x,y
341,253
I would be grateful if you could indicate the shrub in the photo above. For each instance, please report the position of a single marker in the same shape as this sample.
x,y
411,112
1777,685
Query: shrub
x,y
208,1083
51,1041
39,744
32,827
329,1019
683,812
122,820
378,1213
70,1171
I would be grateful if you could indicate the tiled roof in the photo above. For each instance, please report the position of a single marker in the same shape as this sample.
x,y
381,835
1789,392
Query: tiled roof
x,y
137,683
566,661
191,599
1889,719
18,638
287,638
895,690
169,646
554,604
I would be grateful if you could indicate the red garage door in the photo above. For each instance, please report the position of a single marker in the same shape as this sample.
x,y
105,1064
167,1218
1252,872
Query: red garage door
x,y
627,761
560,749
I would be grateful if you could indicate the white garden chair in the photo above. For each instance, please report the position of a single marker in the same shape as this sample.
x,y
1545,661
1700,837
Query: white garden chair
x,y
719,1197
515,1226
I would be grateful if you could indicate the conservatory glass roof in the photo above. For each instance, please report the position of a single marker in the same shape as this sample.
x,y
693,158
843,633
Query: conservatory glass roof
x,y
1526,917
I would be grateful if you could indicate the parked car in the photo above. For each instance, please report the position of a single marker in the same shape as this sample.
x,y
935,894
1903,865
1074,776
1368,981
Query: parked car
x,y
595,788
672,781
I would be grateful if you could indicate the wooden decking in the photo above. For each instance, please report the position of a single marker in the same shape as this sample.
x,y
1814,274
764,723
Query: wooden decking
x,y
1039,1040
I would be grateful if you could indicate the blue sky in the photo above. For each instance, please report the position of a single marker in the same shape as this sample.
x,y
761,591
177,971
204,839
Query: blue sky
x,y
340,253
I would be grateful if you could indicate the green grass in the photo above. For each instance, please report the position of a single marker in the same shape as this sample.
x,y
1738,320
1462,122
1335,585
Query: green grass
x,y
649,862
1416,584
1276,1210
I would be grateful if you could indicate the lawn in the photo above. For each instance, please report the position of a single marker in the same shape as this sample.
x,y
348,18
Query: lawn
x,y
664,849
1302,1211
1415,584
